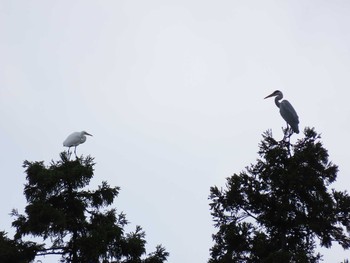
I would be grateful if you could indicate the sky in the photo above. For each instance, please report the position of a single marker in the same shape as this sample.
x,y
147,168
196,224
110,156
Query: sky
x,y
172,92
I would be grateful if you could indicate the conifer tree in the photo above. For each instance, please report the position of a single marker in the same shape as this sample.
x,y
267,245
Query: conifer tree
x,y
75,222
19,252
281,207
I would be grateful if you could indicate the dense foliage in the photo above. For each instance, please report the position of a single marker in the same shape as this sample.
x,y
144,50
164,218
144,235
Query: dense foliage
x,y
73,221
19,252
277,209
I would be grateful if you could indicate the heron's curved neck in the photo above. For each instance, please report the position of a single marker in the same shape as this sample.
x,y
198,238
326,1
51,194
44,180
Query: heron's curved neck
x,y
277,100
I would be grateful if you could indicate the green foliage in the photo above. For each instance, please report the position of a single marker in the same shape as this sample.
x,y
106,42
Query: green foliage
x,y
12,251
277,209
76,220
159,256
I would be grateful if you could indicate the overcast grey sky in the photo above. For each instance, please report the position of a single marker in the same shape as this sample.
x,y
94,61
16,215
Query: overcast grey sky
x,y
173,93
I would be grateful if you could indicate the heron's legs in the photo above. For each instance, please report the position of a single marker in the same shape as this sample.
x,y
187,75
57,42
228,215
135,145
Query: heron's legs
x,y
75,151
288,132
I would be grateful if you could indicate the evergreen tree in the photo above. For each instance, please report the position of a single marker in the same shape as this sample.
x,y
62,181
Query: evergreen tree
x,y
76,220
277,209
19,252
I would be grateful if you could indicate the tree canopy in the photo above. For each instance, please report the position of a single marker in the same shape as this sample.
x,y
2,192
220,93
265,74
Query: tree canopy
x,y
278,208
76,222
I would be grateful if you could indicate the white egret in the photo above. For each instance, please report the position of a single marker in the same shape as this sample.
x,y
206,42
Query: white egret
x,y
286,109
75,139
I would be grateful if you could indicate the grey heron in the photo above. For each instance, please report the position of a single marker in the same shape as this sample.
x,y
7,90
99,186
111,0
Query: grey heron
x,y
286,109
75,139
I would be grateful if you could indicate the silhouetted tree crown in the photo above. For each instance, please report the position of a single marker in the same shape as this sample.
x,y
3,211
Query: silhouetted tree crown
x,y
19,252
278,208
76,220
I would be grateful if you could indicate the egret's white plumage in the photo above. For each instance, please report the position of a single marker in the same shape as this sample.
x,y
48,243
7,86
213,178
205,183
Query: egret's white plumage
x,y
286,109
75,139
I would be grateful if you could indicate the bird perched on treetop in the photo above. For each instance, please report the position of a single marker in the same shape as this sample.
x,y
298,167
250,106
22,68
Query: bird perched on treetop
x,y
75,139
286,109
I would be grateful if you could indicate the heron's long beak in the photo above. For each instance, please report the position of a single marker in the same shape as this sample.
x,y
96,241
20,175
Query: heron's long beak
x,y
88,134
271,95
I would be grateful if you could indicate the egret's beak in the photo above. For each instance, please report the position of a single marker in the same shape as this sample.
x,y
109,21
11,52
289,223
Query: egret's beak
x,y
271,95
88,134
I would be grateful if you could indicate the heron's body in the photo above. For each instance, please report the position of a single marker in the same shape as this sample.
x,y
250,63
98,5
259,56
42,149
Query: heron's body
x,y
286,110
75,139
